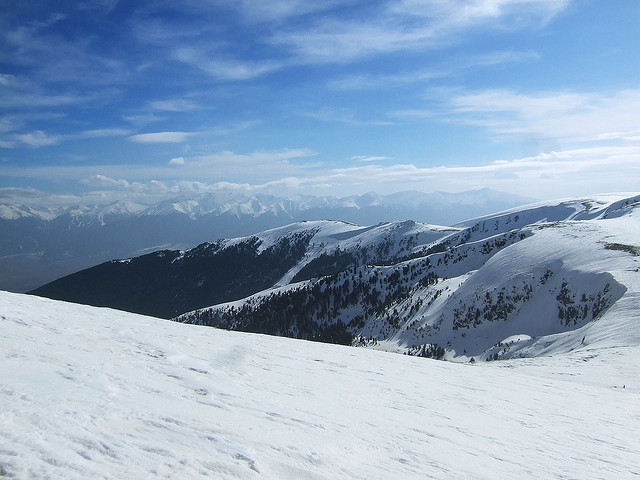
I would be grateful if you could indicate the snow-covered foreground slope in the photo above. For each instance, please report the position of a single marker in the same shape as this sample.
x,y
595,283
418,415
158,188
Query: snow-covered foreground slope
x,y
96,393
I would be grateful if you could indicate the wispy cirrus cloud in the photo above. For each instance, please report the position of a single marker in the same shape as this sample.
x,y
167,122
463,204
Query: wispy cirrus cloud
x,y
283,10
162,137
372,82
455,13
105,132
52,57
368,158
21,98
142,119
10,137
547,175
37,138
40,138
452,68
174,105
343,115
415,114
411,25
222,66
202,46
234,128
570,115
291,32
260,162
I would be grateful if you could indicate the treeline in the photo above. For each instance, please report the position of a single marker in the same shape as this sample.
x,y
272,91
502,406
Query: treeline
x,y
332,309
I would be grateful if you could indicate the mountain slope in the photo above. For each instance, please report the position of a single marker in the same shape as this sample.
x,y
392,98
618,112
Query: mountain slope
x,y
97,393
170,282
518,283
521,283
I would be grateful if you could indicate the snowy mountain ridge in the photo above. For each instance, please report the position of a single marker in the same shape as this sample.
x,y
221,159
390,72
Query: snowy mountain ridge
x,y
169,282
195,206
520,283
524,282
42,240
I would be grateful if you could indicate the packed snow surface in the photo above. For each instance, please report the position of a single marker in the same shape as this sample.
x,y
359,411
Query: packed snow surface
x,y
95,393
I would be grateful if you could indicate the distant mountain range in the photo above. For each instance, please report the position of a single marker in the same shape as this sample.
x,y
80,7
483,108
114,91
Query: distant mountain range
x,y
542,278
39,243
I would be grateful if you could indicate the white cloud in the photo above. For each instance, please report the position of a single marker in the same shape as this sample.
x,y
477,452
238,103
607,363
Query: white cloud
x,y
235,128
223,68
570,116
547,175
254,167
413,114
143,119
342,115
52,57
7,79
11,123
371,82
38,138
26,196
176,161
453,66
458,14
368,158
280,10
103,181
340,42
162,137
105,132
22,99
410,25
571,172
11,194
173,105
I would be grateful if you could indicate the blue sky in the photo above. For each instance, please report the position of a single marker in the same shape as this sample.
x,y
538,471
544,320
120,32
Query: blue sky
x,y
111,99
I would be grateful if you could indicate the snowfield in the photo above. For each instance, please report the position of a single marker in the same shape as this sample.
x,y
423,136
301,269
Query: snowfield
x,y
88,393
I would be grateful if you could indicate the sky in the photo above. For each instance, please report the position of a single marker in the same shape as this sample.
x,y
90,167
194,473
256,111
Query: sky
x,y
109,99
